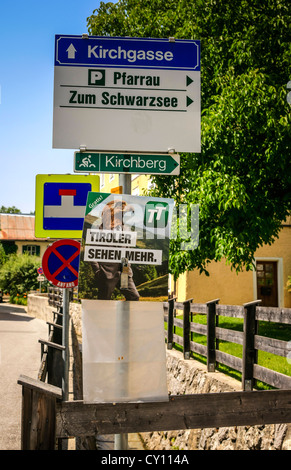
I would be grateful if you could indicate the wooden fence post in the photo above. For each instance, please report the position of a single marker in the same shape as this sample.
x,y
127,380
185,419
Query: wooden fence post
x,y
171,303
249,352
38,422
55,366
211,337
186,328
55,332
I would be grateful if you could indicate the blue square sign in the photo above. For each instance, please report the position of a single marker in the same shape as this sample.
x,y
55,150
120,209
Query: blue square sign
x,y
61,203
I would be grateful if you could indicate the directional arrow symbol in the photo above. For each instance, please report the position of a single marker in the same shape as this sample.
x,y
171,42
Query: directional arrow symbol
x,y
189,101
71,51
171,164
188,80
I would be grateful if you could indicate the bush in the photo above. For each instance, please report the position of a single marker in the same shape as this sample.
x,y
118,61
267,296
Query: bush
x,y
18,275
3,256
20,299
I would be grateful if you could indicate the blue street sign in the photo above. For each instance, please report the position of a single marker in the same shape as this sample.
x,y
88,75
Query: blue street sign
x,y
95,51
60,204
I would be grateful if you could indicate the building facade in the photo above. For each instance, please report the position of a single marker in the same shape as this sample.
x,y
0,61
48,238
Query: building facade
x,y
268,282
17,235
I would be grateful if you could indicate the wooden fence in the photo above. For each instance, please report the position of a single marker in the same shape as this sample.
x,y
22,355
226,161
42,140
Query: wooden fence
x,y
251,342
40,396
51,366
48,419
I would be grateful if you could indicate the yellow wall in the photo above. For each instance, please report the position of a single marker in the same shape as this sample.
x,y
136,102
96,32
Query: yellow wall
x,y
236,289
280,250
139,183
223,284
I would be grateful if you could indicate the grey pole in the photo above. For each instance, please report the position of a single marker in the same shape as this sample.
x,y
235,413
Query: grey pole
x,y
121,440
65,342
125,182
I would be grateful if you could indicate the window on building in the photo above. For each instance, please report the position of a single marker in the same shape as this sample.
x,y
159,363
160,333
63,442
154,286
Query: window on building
x,y
31,249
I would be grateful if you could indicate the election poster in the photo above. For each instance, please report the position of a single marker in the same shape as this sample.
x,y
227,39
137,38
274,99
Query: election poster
x,y
125,247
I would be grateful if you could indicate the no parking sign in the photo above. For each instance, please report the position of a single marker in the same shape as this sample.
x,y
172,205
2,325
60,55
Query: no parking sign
x,y
60,263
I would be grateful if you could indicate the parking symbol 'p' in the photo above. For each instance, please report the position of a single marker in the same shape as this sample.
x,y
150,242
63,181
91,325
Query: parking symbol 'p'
x,y
96,77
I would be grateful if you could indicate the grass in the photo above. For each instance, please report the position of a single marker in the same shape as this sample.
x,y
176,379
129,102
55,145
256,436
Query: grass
x,y
157,287
267,329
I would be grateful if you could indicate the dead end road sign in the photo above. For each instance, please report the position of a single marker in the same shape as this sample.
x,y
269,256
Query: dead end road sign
x,y
60,203
60,263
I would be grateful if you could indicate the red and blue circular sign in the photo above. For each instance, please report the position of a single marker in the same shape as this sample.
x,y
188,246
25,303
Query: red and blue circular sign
x,y
60,263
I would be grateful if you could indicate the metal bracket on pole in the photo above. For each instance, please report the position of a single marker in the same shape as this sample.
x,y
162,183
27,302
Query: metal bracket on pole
x,y
83,148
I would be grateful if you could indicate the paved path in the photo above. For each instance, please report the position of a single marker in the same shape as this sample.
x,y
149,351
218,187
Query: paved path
x,y
19,354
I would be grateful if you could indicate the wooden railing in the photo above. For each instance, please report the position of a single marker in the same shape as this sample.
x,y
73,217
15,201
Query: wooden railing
x,y
251,342
51,365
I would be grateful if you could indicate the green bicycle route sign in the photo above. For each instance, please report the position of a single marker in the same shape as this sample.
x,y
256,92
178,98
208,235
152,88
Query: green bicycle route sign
x,y
158,164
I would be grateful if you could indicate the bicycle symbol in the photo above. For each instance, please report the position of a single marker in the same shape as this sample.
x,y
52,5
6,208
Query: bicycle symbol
x,y
86,162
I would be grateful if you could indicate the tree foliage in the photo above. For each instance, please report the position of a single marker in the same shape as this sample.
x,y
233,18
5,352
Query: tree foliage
x,y
18,275
241,179
9,210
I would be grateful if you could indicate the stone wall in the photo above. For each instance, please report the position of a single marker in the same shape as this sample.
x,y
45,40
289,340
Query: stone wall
x,y
184,377
38,307
190,377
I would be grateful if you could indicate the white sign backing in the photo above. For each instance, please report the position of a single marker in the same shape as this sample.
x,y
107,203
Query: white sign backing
x,y
126,94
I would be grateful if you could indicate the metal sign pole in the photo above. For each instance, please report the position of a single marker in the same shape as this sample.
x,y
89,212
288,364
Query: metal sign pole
x,y
65,342
121,440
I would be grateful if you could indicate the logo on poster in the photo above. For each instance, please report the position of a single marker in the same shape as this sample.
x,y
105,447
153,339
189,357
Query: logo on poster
x,y
156,214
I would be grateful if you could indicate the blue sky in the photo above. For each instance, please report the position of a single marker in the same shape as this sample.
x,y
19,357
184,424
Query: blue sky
x,y
27,30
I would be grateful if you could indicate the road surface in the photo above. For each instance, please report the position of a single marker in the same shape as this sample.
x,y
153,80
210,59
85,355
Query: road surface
x,y
19,354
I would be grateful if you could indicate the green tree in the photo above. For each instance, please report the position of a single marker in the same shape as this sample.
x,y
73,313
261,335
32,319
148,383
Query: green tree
x,y
18,275
9,210
241,179
143,273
